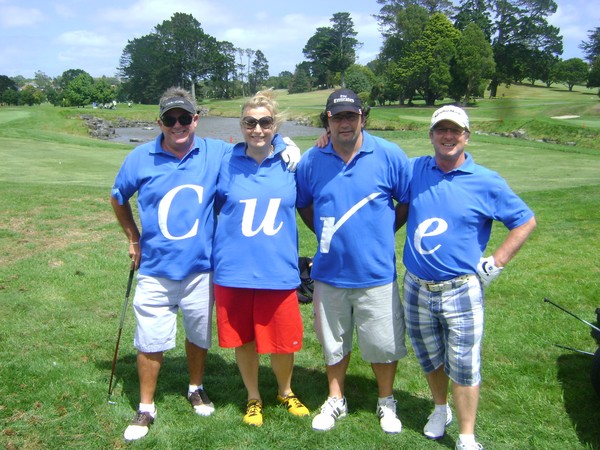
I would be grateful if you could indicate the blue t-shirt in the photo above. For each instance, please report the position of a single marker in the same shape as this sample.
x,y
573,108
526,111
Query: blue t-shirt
x,y
450,217
175,201
354,211
256,242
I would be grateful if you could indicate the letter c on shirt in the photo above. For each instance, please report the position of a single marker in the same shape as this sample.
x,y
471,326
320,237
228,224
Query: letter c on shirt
x,y
165,205
437,225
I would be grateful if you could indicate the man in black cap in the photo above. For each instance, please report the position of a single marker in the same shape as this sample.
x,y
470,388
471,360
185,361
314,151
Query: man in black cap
x,y
347,194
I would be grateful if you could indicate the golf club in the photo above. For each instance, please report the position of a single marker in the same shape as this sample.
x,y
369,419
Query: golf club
x,y
594,327
583,352
114,363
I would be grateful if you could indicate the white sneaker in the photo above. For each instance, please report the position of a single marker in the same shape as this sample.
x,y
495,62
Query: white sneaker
x,y
138,427
387,416
435,428
333,409
468,446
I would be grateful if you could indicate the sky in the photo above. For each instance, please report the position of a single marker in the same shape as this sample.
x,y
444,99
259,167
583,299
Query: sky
x,y
52,36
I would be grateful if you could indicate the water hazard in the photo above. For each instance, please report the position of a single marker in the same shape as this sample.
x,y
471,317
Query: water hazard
x,y
224,128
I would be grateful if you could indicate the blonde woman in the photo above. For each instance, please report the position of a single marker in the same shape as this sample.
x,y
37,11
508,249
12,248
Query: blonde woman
x,y
256,257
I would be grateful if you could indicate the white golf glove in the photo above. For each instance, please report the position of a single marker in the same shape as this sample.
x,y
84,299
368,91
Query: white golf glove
x,y
487,270
291,154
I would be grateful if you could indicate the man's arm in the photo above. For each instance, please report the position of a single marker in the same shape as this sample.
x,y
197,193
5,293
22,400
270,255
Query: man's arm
x,y
307,214
125,218
401,215
513,242
488,269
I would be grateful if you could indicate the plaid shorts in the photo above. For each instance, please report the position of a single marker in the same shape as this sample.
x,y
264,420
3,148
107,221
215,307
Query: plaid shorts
x,y
446,327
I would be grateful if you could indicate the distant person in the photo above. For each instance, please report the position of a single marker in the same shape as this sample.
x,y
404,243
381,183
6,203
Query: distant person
x,y
346,195
453,203
175,179
256,257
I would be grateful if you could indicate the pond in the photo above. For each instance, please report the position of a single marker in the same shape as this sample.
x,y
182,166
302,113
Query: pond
x,y
224,128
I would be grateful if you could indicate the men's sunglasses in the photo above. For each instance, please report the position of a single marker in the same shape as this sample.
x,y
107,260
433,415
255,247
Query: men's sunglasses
x,y
184,119
266,123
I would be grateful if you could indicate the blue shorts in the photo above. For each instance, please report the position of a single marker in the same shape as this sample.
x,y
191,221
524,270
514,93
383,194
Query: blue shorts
x,y
377,314
156,304
446,327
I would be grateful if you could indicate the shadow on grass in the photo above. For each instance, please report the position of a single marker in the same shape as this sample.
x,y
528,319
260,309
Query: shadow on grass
x,y
225,387
581,402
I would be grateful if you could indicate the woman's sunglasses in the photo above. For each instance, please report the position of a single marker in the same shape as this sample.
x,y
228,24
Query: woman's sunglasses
x,y
266,123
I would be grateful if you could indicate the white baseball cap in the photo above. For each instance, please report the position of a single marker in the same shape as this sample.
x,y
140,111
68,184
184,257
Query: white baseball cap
x,y
453,114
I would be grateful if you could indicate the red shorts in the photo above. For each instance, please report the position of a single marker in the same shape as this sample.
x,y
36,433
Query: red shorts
x,y
271,318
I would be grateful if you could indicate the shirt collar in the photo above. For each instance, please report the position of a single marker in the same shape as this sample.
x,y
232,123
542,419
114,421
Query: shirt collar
x,y
468,166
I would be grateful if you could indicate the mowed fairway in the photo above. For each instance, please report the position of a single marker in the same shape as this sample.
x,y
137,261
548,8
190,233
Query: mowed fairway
x,y
63,274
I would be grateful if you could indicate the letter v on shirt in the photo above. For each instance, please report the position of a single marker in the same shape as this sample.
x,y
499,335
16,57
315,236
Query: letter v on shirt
x,y
330,226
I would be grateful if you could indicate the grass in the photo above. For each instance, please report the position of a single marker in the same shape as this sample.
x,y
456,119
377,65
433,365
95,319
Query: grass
x,y
63,273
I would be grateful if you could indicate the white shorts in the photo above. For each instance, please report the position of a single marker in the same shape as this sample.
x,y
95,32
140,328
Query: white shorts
x,y
376,312
156,303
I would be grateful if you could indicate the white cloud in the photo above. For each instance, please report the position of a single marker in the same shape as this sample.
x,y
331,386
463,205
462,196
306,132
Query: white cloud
x,y
83,38
16,16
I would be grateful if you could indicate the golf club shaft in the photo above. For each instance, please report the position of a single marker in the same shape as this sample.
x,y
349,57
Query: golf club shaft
x,y
114,363
574,350
570,313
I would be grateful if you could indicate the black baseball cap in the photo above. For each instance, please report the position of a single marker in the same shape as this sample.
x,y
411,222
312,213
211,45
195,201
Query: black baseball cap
x,y
177,102
343,100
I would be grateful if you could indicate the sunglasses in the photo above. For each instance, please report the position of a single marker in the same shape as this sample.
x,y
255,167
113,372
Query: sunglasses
x,y
170,121
266,123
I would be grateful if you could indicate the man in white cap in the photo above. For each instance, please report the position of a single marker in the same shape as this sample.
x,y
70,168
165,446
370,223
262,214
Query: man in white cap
x,y
453,203
347,192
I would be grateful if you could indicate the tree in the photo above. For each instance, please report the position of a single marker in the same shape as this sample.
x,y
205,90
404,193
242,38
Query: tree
x,y
222,81
78,91
402,25
69,75
391,8
474,60
318,51
301,80
143,79
30,96
426,68
572,71
10,97
332,49
281,81
476,12
260,71
542,66
344,44
521,28
591,48
594,74
103,92
360,79
186,54
7,83
188,49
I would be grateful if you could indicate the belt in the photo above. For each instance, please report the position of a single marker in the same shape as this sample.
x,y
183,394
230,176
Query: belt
x,y
441,286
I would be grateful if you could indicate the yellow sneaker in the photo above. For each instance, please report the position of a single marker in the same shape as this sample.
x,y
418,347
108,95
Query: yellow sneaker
x,y
254,413
293,405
